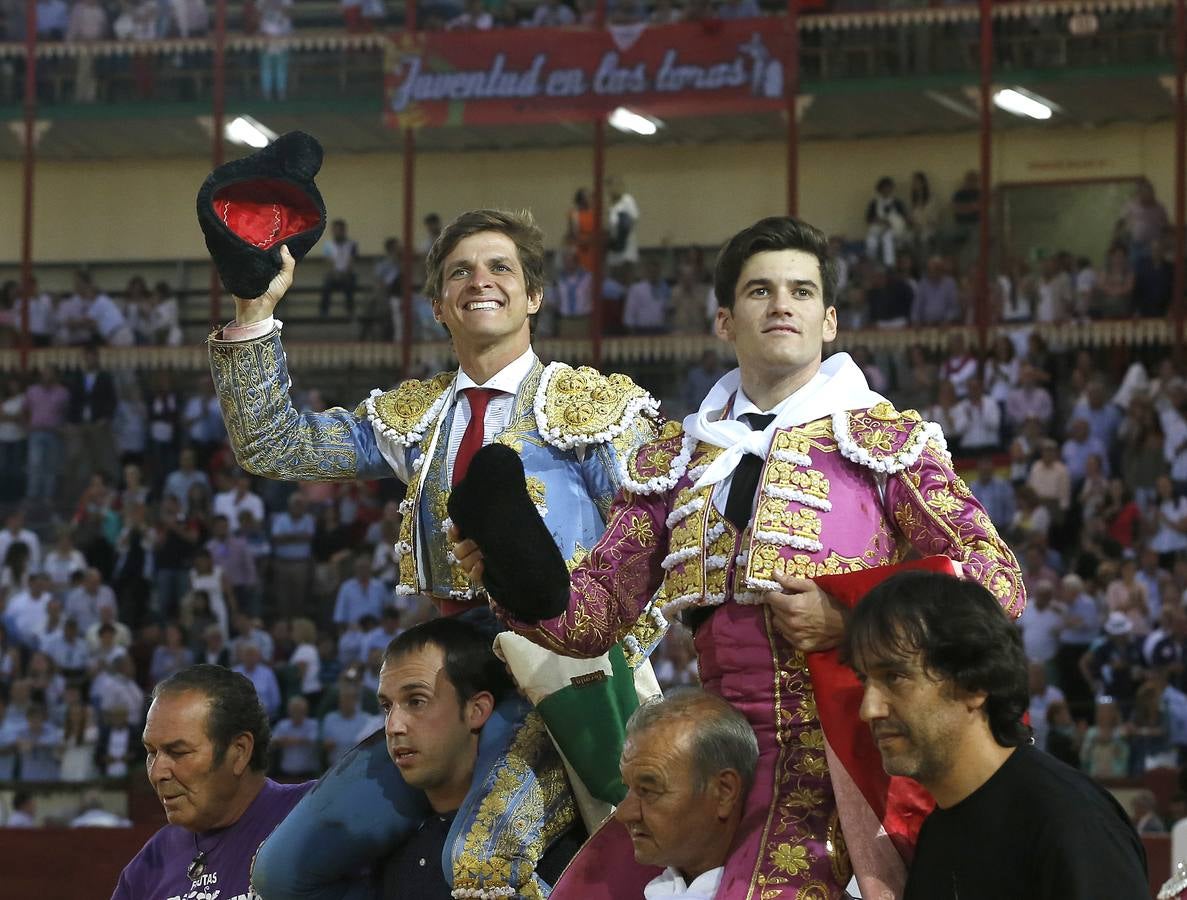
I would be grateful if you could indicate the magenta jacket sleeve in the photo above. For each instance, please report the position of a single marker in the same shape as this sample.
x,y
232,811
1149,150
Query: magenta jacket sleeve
x,y
938,514
612,586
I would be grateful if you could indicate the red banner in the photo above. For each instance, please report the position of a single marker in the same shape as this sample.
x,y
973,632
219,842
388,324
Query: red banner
x,y
510,76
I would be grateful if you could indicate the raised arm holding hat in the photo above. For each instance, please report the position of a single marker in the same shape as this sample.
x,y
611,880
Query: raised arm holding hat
x,y
571,428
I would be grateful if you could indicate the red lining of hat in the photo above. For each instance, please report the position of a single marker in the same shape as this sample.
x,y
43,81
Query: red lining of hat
x,y
265,211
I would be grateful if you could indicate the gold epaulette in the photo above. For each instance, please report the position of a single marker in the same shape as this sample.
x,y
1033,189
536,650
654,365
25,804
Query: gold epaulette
x,y
404,414
884,439
581,407
658,464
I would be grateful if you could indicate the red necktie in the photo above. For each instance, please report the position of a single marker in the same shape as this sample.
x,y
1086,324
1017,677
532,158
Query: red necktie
x,y
475,429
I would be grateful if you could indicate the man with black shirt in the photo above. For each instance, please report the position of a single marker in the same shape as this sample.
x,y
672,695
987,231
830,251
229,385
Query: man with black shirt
x,y
945,689
438,687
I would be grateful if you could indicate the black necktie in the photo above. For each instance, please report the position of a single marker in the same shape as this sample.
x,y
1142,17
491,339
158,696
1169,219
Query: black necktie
x,y
740,502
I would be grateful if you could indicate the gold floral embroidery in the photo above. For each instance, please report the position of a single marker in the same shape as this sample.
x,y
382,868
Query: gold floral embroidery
x,y
640,529
522,427
794,844
536,490
403,409
526,808
943,502
647,632
884,432
792,442
789,859
934,520
885,412
583,402
654,459
269,437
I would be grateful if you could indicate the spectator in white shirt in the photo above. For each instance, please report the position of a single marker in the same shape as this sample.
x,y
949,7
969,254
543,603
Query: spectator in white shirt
x,y
341,252
276,24
551,14
69,650
87,22
473,18
622,242
62,561
41,315
15,530
233,502
107,641
28,610
981,418
106,318
84,601
114,688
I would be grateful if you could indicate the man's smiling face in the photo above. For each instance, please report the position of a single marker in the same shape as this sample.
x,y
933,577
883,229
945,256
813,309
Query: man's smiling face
x,y
484,298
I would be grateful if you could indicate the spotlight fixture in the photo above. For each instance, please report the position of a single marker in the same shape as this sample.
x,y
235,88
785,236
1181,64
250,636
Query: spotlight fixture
x,y
1022,102
631,122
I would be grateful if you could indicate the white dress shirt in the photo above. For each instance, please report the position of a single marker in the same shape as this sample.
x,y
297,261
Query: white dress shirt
x,y
670,886
499,409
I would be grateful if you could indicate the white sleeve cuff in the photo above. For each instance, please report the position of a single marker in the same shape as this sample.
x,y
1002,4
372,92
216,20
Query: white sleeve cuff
x,y
234,333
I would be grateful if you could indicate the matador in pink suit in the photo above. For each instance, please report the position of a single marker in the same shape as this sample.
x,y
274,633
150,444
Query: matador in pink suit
x,y
792,468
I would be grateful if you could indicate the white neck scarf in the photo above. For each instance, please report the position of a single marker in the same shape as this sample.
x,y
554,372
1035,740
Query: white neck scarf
x,y
838,385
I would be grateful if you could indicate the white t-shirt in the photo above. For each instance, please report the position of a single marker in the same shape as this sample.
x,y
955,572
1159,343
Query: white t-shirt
x,y
307,653
1168,539
12,431
625,205
1040,632
229,504
670,885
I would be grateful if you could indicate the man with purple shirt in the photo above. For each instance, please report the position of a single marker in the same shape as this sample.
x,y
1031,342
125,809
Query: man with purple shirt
x,y
207,743
47,402
231,553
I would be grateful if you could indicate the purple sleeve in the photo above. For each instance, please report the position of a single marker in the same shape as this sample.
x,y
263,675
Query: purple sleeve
x,y
122,890
612,586
938,514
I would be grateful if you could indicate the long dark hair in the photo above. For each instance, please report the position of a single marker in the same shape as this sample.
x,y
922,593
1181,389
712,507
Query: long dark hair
x,y
962,635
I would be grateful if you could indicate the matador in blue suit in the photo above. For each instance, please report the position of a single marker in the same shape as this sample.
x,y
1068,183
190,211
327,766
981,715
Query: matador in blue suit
x,y
572,427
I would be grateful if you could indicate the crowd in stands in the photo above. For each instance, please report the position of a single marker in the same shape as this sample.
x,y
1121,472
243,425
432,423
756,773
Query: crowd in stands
x,y
147,20
134,547
915,266
123,563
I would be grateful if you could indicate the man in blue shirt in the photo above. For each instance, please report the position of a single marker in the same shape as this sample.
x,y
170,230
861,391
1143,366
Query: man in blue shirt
x,y
359,596
340,727
296,738
292,557
261,676
995,494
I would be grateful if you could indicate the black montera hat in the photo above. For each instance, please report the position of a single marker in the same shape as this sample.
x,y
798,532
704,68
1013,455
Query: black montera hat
x,y
523,571
250,207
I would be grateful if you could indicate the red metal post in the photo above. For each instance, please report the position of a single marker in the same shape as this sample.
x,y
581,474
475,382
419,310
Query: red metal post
x,y
217,115
791,81
29,165
981,313
409,258
598,275
1180,166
